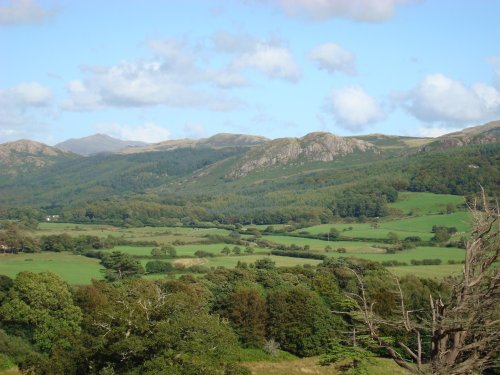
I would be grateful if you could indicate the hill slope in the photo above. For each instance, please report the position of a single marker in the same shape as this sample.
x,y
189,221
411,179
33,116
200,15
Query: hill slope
x,y
24,156
319,146
216,141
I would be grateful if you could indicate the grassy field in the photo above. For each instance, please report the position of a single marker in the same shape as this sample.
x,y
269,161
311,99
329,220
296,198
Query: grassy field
x,y
425,203
310,366
425,209
411,226
419,253
75,269
437,272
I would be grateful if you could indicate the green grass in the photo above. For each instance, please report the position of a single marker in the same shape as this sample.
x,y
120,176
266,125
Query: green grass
x,y
425,203
380,366
411,226
231,261
75,269
432,272
443,253
319,245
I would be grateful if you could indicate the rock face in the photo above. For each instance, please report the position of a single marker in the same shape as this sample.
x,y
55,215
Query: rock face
x,y
488,133
319,146
217,141
97,143
24,155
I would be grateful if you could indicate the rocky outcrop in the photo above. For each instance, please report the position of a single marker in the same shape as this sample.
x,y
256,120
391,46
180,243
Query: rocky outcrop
x,y
477,135
319,146
24,155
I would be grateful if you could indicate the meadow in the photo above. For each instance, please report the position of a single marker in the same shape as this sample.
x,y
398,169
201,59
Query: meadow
x,y
416,214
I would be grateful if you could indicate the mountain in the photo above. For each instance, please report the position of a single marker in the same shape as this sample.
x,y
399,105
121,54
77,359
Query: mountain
x,y
483,134
24,156
97,143
217,141
318,146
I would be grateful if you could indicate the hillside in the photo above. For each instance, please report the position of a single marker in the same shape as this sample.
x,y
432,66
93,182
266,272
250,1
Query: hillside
x,y
281,180
220,140
97,143
24,156
319,146
488,133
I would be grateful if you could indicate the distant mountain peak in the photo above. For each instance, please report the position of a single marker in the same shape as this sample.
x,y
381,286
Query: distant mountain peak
x,y
97,143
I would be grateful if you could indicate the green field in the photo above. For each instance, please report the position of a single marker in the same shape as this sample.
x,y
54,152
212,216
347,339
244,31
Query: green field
x,y
411,226
425,203
432,272
319,245
75,269
443,253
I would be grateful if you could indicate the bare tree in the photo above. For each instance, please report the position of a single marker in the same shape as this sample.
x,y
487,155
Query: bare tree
x,y
464,330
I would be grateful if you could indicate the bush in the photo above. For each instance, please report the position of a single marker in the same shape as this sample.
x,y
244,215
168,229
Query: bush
x,y
157,266
203,254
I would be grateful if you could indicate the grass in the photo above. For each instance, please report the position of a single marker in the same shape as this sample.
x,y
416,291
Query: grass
x,y
74,269
433,272
231,261
302,366
443,253
319,245
411,226
425,203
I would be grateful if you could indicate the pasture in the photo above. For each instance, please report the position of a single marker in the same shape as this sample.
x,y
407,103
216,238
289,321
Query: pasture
x,y
74,269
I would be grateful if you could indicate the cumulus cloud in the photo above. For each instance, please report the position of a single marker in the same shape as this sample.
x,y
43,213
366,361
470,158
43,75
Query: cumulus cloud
x,y
272,59
26,95
332,57
353,108
18,12
148,132
20,109
142,83
358,10
441,99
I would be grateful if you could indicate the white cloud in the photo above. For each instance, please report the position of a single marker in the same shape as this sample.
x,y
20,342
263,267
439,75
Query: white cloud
x,y
353,108
194,130
26,94
272,59
17,12
21,108
148,132
441,99
358,10
332,57
142,83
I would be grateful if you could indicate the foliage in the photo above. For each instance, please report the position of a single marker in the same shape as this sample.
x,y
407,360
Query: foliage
x,y
41,307
121,266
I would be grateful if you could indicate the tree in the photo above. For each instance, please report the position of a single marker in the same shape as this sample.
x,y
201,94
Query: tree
x,y
300,321
120,266
464,329
226,250
247,314
157,266
41,306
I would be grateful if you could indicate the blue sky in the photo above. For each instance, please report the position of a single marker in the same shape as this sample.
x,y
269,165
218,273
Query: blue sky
x,y
153,70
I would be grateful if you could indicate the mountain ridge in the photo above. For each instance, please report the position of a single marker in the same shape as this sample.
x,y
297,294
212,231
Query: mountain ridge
x,y
97,143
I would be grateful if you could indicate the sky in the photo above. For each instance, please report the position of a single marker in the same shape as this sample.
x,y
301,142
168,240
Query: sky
x,y
153,70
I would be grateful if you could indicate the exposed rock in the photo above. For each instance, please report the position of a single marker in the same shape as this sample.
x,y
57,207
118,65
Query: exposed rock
x,y
319,146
